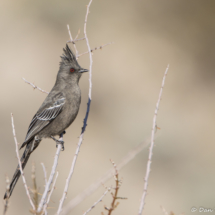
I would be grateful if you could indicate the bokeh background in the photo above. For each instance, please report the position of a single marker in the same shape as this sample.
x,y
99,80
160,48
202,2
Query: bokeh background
x,y
127,76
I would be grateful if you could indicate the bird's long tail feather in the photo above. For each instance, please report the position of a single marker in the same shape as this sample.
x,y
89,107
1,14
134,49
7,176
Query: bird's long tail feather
x,y
24,160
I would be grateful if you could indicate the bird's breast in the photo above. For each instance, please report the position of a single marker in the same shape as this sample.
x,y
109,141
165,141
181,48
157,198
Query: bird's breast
x,y
71,107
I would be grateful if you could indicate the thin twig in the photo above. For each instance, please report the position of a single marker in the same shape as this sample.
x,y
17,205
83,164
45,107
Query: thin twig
x,y
70,35
34,190
148,168
49,196
100,199
89,49
93,187
113,206
35,87
47,188
77,35
115,195
20,165
75,40
70,175
85,120
6,201
45,173
96,48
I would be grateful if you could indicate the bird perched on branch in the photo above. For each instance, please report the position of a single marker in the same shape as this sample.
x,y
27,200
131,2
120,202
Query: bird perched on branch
x,y
56,113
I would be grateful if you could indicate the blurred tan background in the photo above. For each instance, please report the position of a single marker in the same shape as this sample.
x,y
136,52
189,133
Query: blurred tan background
x,y
127,76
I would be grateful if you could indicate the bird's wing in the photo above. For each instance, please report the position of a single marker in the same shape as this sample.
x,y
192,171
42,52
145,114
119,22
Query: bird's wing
x,y
42,119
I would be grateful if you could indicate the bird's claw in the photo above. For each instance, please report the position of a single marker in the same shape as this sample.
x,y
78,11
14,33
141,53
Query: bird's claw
x,y
60,142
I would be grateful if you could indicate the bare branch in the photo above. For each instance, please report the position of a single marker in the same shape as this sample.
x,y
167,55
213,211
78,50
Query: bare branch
x,y
70,175
114,204
115,194
49,197
45,173
47,187
93,187
75,40
34,190
86,116
35,87
100,199
70,35
20,165
96,48
89,49
148,168
77,34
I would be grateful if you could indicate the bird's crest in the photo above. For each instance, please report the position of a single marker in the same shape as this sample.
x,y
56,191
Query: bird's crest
x,y
68,57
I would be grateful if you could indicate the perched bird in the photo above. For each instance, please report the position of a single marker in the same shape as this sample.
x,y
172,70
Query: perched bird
x,y
56,113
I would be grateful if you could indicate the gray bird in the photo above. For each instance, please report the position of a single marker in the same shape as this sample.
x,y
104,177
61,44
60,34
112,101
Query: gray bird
x,y
57,112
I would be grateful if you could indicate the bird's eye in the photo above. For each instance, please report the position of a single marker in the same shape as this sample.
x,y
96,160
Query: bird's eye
x,y
72,70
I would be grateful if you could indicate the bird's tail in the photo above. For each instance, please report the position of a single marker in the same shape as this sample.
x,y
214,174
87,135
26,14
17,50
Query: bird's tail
x,y
24,160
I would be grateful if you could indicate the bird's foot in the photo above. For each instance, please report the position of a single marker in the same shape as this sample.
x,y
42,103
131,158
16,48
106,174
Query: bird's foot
x,y
58,142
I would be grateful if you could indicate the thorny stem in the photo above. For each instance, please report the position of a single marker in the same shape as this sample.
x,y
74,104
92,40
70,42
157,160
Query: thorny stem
x,y
115,195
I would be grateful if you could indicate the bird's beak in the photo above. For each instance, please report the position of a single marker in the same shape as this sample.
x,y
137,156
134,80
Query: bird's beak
x,y
84,70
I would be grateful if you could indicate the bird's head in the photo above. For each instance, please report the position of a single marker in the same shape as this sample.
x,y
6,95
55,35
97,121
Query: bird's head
x,y
69,67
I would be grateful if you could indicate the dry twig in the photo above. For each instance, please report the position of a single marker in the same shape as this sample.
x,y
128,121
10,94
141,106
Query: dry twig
x,y
35,87
70,35
96,48
47,187
34,190
148,168
49,196
76,38
89,50
45,173
114,204
100,199
20,166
